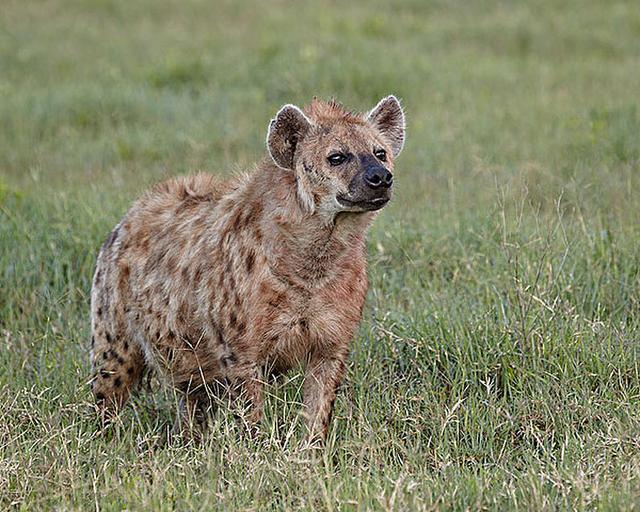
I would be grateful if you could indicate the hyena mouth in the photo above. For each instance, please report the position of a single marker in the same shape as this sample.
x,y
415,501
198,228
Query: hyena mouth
x,y
363,205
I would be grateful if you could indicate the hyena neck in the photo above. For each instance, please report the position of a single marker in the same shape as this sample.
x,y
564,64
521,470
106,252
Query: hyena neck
x,y
308,245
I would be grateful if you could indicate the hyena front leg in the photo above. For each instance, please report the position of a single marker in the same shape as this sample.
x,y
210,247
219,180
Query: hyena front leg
x,y
322,378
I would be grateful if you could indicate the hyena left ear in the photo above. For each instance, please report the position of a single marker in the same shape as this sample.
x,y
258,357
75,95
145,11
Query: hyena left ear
x,y
387,116
285,132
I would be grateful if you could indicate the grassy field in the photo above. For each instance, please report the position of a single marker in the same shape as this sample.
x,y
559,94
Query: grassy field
x,y
498,366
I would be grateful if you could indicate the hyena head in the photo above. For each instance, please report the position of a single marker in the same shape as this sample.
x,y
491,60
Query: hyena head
x,y
343,161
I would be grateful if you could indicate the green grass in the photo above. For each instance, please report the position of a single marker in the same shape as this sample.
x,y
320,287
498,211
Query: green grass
x,y
498,366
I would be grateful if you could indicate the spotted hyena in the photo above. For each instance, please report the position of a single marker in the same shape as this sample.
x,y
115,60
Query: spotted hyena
x,y
215,285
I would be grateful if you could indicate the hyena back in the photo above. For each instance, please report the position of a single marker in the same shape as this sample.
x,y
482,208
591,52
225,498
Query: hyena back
x,y
214,284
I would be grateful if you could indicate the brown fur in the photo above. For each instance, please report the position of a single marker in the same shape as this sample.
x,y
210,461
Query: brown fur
x,y
211,283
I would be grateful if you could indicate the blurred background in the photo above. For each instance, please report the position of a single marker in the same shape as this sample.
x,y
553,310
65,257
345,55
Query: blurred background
x,y
113,91
498,362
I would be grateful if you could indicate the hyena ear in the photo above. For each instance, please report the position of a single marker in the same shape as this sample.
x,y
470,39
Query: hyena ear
x,y
285,132
387,116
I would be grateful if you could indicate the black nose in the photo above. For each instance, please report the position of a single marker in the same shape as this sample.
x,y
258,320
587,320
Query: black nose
x,y
378,177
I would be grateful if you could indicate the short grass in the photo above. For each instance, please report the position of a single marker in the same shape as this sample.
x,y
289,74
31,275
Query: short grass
x,y
498,363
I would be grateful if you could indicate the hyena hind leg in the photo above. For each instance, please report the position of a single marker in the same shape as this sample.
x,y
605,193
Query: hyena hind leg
x,y
118,367
196,407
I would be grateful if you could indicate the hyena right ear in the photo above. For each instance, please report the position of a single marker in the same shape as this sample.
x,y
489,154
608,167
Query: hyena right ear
x,y
285,132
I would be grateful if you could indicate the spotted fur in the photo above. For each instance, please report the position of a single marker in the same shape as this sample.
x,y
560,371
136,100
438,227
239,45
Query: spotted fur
x,y
213,284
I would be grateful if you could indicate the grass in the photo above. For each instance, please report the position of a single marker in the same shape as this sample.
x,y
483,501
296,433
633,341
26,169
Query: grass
x,y
497,366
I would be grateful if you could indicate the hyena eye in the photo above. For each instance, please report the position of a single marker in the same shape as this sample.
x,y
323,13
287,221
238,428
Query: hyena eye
x,y
336,158
380,154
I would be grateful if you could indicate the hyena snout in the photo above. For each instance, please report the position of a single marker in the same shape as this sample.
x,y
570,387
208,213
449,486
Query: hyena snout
x,y
376,176
370,188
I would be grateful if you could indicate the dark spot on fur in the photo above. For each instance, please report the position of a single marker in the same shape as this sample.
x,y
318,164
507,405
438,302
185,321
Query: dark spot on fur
x,y
130,370
275,301
118,382
100,397
105,355
232,320
219,334
117,356
99,312
126,346
109,338
253,214
249,260
243,219
93,341
198,275
236,223
241,327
